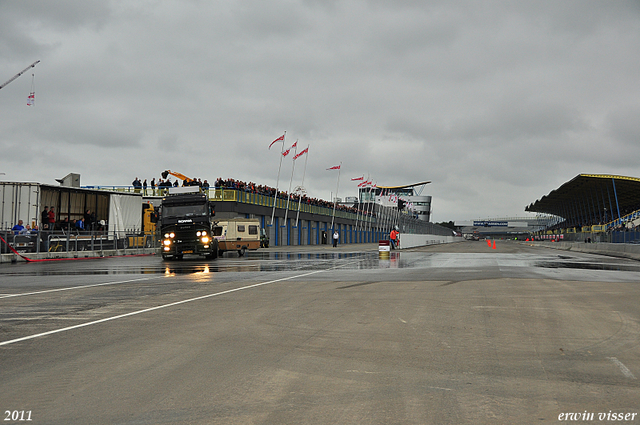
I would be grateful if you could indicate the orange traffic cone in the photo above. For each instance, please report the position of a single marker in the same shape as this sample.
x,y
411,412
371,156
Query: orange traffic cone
x,y
494,245
488,243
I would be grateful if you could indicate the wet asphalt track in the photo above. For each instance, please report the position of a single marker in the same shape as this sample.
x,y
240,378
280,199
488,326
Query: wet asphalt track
x,y
446,334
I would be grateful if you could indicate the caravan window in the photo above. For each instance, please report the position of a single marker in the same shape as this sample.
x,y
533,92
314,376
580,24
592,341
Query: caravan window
x,y
217,231
240,227
253,229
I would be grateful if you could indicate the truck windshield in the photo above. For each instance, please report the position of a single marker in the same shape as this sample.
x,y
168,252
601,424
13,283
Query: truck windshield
x,y
184,210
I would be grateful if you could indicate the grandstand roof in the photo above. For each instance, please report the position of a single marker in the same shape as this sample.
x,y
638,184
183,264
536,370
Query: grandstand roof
x,y
590,192
403,187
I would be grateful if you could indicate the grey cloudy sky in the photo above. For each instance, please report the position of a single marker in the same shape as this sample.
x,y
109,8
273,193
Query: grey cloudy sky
x,y
495,102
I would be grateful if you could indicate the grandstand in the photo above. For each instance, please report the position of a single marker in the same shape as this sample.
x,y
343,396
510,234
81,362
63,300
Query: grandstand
x,y
415,204
592,207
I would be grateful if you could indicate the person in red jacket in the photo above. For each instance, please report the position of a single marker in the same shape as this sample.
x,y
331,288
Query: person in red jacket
x,y
52,219
394,238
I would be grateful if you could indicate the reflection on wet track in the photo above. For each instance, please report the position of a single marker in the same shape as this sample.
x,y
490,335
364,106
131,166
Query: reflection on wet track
x,y
265,261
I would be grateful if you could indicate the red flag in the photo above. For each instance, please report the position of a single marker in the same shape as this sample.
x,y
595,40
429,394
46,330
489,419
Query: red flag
x,y
337,167
31,100
294,145
301,153
285,153
358,178
277,140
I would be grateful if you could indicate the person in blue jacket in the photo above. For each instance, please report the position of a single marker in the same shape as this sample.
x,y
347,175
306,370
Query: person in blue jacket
x,y
18,228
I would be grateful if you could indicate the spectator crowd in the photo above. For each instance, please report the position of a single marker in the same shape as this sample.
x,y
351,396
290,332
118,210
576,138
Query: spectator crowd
x,y
250,187
271,192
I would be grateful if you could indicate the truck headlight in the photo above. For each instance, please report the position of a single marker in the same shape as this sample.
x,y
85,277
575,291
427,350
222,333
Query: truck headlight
x,y
205,239
167,242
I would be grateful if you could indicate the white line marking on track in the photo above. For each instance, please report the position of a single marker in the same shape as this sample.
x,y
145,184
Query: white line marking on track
x,y
73,287
625,370
146,310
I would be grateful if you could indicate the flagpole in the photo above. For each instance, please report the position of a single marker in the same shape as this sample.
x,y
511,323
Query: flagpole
x,y
275,198
359,207
365,223
369,209
364,206
302,185
389,216
358,212
293,167
333,216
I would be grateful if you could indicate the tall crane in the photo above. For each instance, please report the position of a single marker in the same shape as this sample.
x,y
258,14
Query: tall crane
x,y
20,73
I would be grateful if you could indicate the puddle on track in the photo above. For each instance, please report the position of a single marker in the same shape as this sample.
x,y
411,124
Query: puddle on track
x,y
305,261
589,266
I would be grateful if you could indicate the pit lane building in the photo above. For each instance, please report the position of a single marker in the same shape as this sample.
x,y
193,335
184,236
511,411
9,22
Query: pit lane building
x,y
410,197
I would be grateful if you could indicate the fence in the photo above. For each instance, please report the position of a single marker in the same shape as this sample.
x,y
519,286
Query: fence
x,y
605,237
60,241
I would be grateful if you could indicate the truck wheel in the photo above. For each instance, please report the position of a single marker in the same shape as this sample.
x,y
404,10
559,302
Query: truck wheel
x,y
241,252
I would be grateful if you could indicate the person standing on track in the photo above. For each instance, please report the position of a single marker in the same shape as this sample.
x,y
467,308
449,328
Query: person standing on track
x,y
393,236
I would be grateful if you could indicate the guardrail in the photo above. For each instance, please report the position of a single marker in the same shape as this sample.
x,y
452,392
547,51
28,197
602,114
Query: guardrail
x,y
58,242
235,195
245,197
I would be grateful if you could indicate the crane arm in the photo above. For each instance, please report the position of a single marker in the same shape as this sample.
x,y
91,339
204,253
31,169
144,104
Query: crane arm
x,y
20,73
178,175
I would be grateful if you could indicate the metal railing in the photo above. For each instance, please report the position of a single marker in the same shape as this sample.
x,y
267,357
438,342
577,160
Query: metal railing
x,y
60,241
245,197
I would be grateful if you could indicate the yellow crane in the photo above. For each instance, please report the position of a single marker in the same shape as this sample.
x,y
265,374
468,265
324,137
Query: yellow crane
x,y
186,179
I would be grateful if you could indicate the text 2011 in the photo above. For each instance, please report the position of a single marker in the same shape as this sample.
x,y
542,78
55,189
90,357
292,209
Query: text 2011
x,y
17,415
